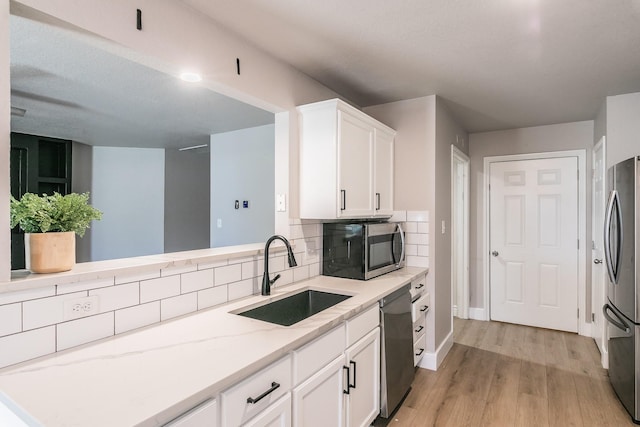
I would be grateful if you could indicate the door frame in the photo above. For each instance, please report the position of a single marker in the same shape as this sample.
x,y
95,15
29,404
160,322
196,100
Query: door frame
x,y
595,308
460,255
584,328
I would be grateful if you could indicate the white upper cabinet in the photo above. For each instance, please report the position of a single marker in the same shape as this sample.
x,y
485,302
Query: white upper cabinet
x,y
346,163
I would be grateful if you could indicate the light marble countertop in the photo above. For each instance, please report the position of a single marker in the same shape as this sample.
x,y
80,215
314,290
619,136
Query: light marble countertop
x,y
148,376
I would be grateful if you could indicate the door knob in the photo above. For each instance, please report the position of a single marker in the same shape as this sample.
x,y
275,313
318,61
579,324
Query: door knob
x,y
495,253
597,261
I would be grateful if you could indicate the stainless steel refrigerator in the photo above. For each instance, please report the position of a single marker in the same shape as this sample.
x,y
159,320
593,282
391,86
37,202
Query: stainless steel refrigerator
x,y
622,308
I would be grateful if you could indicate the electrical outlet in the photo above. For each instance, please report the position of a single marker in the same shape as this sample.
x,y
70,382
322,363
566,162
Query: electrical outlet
x,y
80,307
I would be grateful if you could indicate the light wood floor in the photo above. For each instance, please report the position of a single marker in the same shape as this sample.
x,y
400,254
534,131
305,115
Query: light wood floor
x,y
499,374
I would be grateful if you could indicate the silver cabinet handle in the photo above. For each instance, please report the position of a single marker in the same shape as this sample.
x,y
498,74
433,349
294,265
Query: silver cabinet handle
x,y
597,261
495,253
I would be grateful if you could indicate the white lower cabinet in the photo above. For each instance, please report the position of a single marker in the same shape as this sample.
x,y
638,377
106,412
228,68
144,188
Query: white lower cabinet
x,y
203,415
318,401
362,401
277,414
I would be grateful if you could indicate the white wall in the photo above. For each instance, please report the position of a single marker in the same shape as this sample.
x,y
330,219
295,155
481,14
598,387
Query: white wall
x,y
128,187
425,132
560,137
623,127
242,168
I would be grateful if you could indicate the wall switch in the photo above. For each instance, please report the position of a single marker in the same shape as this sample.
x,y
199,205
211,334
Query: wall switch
x,y
245,204
444,227
281,203
80,307
219,222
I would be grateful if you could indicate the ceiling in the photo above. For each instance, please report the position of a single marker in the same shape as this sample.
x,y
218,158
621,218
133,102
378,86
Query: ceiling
x,y
498,64
71,89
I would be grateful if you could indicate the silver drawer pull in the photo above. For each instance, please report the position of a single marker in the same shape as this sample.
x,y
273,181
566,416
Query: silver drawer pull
x,y
274,386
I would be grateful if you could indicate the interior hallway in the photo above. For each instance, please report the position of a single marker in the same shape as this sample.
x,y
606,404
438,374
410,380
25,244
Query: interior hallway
x,y
499,374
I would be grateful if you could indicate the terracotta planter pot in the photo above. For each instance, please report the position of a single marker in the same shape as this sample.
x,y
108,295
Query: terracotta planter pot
x,y
50,252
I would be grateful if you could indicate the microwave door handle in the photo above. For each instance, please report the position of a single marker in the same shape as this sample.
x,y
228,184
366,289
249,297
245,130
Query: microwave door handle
x,y
607,238
403,245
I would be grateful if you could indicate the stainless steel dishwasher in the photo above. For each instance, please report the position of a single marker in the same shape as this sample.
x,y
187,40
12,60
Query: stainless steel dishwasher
x,y
396,363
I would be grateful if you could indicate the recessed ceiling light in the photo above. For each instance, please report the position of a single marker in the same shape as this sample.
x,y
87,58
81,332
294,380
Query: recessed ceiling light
x,y
190,77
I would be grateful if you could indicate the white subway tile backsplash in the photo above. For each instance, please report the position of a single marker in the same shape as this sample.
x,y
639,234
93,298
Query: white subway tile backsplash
x,y
250,269
417,239
314,269
214,264
10,319
411,250
10,297
46,311
196,281
301,273
423,227
155,289
241,260
116,297
295,232
27,345
242,289
177,306
423,250
128,278
81,331
137,316
171,271
417,261
286,277
312,230
410,227
398,216
418,216
277,264
228,274
85,285
212,296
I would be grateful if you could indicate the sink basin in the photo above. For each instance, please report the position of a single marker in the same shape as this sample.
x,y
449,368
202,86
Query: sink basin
x,y
294,308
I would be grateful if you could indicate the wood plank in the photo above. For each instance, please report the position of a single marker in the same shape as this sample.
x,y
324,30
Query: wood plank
x,y
503,394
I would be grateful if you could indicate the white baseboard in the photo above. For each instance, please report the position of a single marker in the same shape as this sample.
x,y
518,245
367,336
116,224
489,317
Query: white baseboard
x,y
478,313
433,360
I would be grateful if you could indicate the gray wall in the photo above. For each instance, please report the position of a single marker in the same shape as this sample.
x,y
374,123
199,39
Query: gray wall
x,y
425,132
242,168
81,177
560,137
186,200
128,187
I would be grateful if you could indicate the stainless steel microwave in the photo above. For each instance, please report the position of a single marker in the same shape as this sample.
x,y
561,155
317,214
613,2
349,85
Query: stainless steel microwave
x,y
362,250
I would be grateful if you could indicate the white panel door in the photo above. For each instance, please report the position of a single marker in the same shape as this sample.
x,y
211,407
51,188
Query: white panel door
x,y
598,270
534,242
355,167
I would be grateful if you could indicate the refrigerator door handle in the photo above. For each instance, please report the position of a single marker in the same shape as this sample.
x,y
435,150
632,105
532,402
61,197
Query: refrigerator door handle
x,y
611,267
620,323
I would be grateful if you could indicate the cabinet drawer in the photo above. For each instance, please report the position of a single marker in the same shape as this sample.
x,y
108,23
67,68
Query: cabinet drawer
x,y
419,348
419,327
205,414
360,325
418,286
419,307
236,402
318,353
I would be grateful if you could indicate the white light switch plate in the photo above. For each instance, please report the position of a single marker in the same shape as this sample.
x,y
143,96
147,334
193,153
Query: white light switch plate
x,y
281,203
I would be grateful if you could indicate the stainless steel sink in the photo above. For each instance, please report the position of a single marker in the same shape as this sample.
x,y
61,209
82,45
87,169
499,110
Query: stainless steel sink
x,y
294,308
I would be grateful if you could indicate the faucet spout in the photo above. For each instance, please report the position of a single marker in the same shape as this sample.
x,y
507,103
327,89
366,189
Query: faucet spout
x,y
266,282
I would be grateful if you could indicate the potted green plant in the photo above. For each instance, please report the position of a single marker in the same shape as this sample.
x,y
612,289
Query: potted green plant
x,y
49,223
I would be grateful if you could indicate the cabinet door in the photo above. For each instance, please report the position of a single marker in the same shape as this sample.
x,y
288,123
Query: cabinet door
x,y
318,401
355,171
203,415
276,415
383,173
363,400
